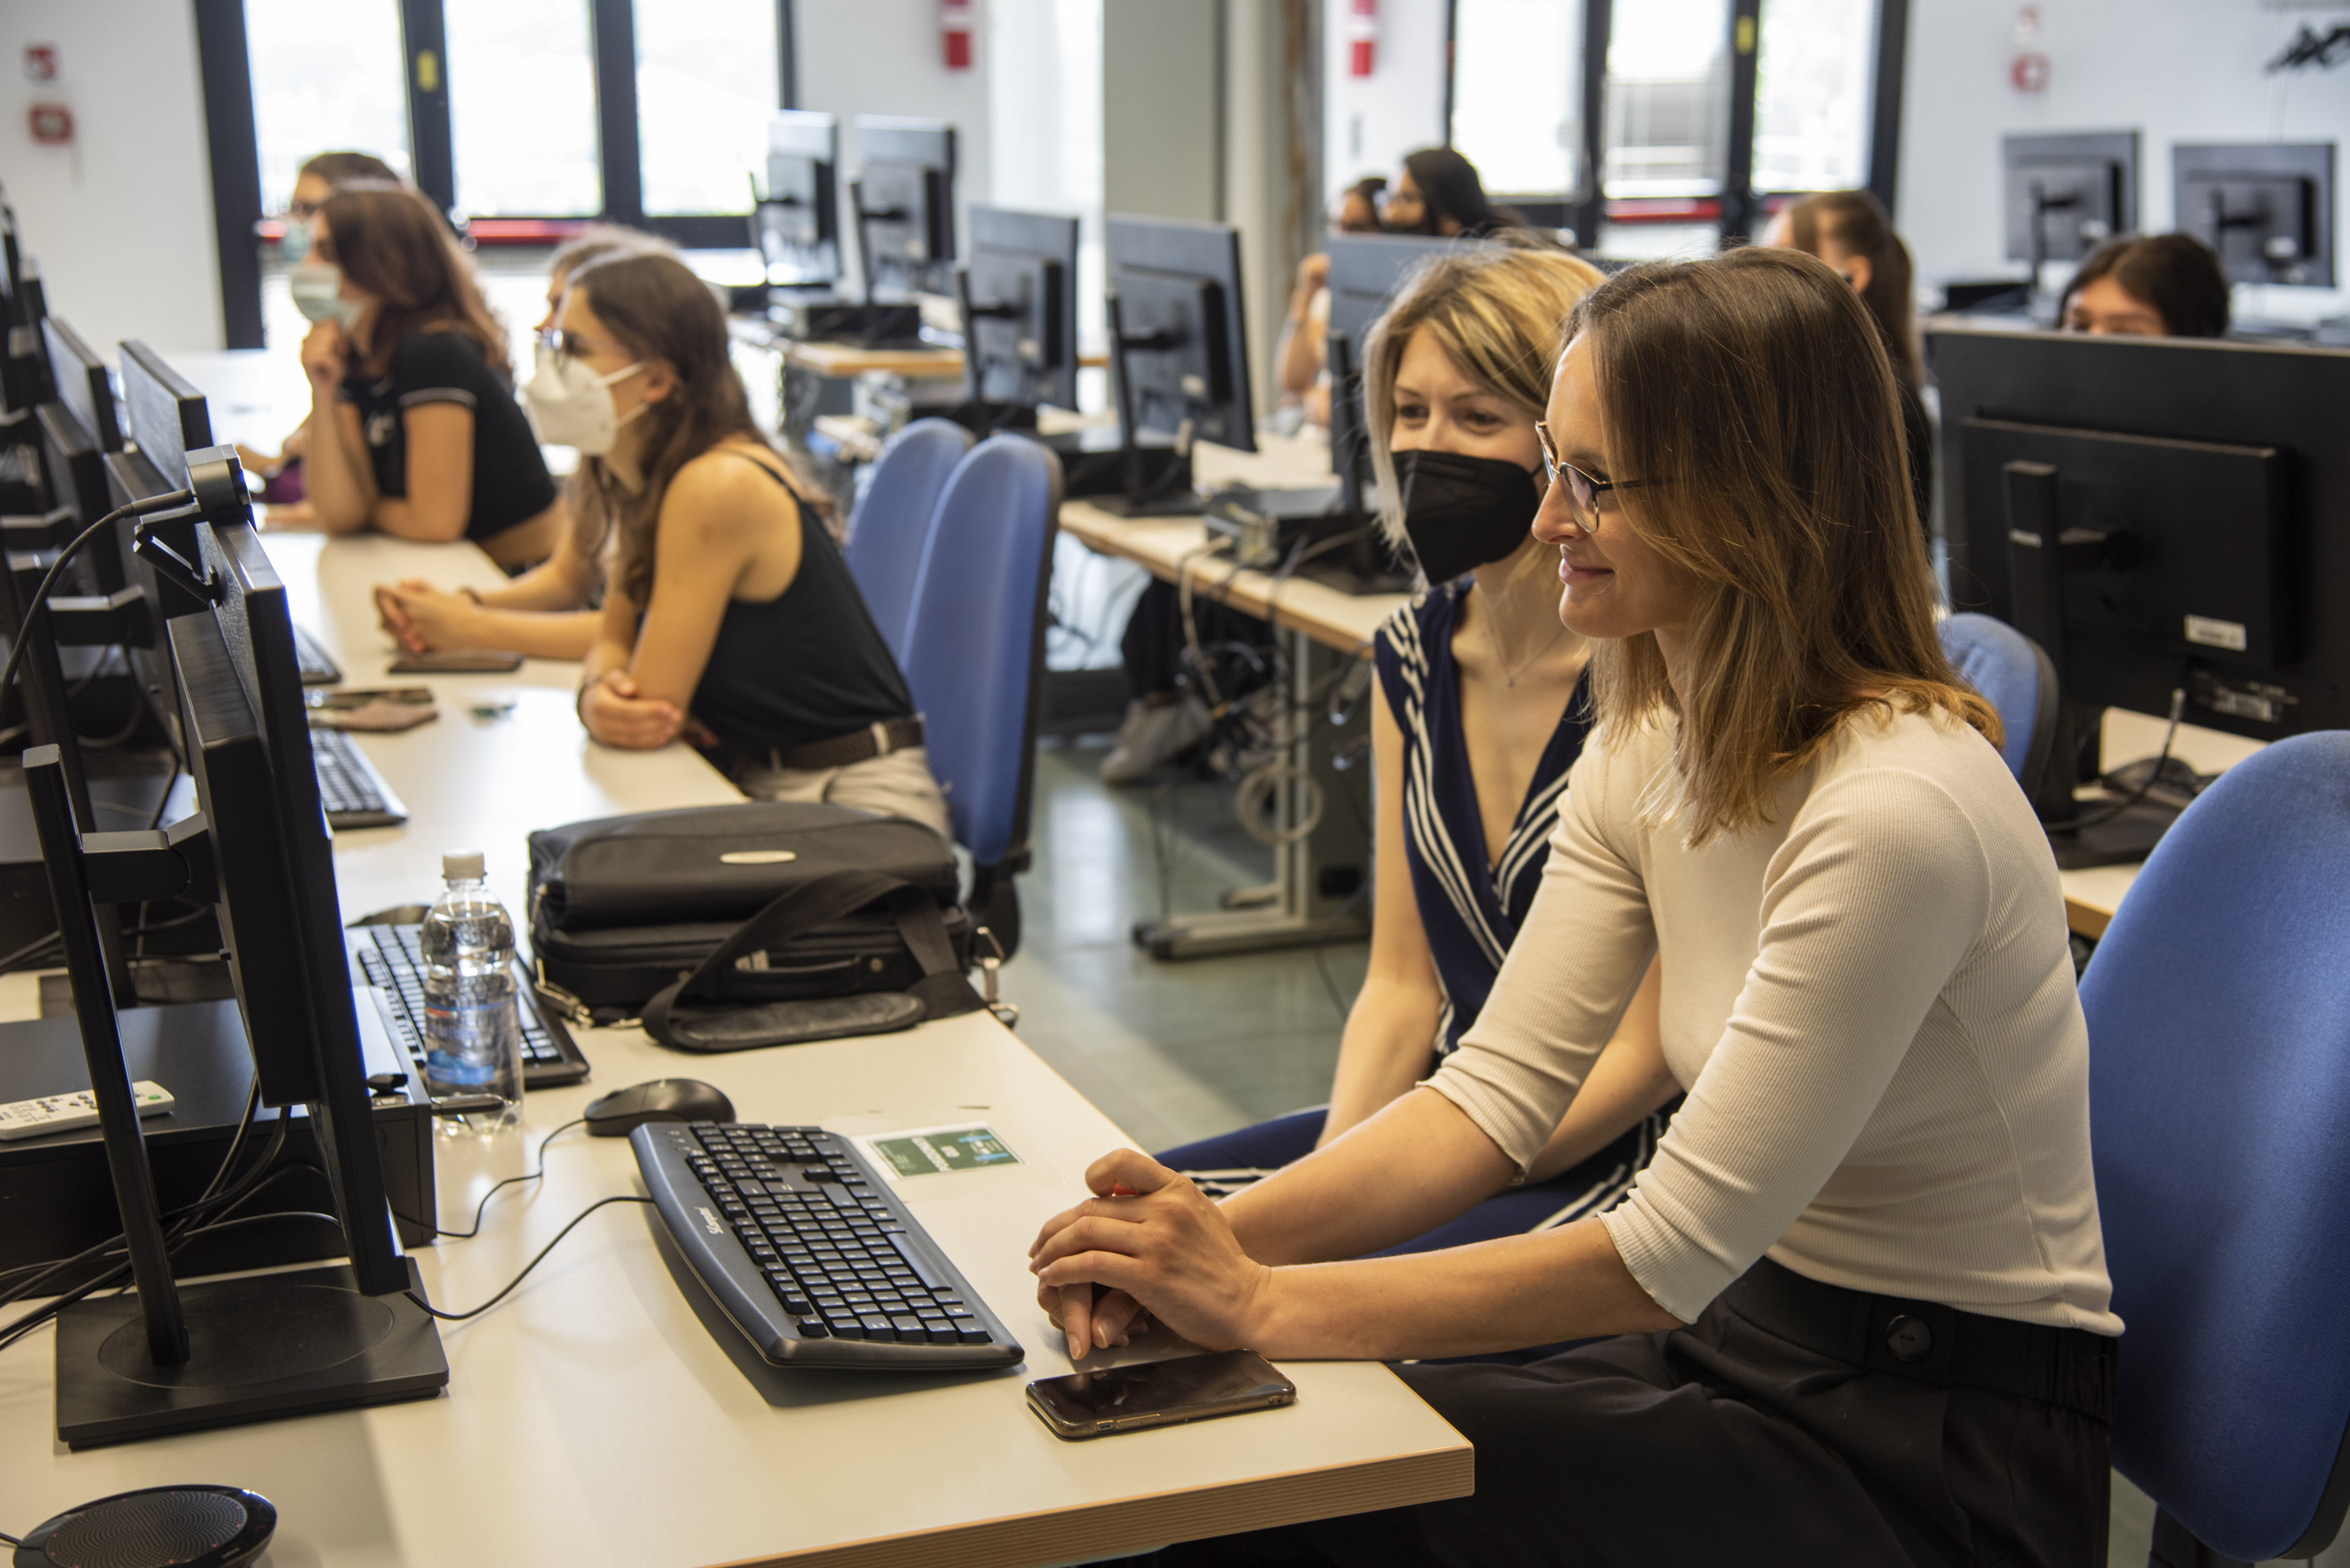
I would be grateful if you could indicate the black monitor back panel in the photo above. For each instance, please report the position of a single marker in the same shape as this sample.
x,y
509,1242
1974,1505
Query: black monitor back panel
x,y
2267,208
906,170
2080,187
81,381
2221,467
1366,271
1023,283
167,416
797,223
1182,282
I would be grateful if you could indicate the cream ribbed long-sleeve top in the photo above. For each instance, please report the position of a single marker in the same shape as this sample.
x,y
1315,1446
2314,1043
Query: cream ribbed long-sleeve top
x,y
1870,1000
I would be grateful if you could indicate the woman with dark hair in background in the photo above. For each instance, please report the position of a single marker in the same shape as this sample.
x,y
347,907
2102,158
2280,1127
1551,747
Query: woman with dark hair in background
x,y
1437,191
413,426
731,617
2151,286
546,612
1851,232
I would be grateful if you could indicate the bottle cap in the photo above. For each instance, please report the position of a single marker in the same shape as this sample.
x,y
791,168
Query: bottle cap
x,y
461,866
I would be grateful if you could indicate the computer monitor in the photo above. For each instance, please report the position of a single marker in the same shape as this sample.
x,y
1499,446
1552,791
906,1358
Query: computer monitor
x,y
2265,207
25,371
795,226
256,1347
2066,194
167,419
1019,298
12,271
82,382
77,478
2161,514
904,199
1366,271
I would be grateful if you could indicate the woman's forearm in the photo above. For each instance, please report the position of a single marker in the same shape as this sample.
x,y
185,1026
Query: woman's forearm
x,y
541,634
335,492
1390,1033
1553,1285
1415,1165
550,586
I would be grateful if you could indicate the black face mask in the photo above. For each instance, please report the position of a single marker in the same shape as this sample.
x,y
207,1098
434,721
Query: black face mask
x,y
1461,512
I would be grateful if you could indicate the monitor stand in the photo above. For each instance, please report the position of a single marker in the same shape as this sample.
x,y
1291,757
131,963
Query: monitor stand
x,y
225,1351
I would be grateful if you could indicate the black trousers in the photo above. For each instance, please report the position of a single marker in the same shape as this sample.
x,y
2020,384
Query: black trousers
x,y
1794,1423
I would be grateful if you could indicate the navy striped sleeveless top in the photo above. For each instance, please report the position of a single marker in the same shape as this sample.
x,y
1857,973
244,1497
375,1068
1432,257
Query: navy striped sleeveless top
x,y
1470,902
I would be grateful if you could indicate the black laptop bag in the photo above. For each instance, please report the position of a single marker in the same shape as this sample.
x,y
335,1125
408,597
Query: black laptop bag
x,y
764,923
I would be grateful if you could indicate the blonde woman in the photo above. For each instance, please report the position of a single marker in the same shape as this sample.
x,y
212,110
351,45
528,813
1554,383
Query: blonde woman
x,y
1484,711
1857,1306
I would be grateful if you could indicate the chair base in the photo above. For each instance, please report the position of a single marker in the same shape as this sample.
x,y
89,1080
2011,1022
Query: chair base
x,y
2175,1546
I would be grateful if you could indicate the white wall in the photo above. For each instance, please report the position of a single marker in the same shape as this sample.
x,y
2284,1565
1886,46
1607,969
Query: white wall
x,y
2175,70
1370,122
122,219
885,56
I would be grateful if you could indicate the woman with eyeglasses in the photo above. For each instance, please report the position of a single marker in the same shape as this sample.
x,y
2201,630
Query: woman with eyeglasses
x,y
413,427
548,612
1857,1305
1484,707
731,618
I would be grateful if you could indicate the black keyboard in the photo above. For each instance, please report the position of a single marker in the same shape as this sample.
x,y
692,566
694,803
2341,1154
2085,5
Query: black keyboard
x,y
387,957
809,1254
353,793
317,668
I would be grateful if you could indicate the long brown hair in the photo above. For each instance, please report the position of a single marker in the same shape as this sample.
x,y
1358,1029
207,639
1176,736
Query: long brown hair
x,y
390,241
1752,395
1495,312
657,309
1858,225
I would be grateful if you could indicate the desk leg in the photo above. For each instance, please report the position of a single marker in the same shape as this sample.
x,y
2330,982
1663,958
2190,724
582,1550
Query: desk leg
x,y
1316,874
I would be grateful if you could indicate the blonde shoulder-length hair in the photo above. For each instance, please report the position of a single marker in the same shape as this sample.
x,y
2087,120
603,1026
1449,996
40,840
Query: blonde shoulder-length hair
x,y
1751,396
1495,311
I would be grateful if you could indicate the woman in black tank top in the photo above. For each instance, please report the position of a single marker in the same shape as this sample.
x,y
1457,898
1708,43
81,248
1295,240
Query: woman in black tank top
x,y
732,620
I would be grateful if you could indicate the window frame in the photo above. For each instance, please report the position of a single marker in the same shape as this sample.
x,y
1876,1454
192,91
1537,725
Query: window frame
x,y
225,65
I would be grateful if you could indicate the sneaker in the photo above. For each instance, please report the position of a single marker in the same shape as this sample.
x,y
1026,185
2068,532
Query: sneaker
x,y
1153,736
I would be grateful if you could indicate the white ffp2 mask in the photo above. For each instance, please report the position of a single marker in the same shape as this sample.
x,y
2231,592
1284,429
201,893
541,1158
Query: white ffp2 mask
x,y
571,405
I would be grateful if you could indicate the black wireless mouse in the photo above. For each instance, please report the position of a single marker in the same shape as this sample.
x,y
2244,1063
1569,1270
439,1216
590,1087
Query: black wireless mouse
x,y
623,1111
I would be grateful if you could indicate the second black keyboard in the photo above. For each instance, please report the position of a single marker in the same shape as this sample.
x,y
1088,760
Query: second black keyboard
x,y
809,1254
353,793
387,957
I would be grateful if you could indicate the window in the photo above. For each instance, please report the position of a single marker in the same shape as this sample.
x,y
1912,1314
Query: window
x,y
1522,125
521,108
706,83
1044,133
1668,98
320,87
1812,119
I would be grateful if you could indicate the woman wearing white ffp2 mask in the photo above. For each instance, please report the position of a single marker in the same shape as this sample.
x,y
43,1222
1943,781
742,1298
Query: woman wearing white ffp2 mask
x,y
730,618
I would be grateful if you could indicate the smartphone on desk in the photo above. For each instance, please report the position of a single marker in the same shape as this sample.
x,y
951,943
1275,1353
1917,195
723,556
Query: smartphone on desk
x,y
457,661
1159,1393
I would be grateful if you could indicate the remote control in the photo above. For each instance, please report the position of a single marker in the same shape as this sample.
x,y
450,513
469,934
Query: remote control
x,y
63,1112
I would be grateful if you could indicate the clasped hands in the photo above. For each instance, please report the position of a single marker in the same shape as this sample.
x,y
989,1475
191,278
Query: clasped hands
x,y
1147,1241
618,714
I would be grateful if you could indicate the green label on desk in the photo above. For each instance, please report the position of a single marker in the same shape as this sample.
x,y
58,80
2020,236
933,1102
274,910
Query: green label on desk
x,y
943,1148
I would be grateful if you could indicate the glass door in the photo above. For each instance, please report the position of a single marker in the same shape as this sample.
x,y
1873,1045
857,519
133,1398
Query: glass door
x,y
1517,100
1668,95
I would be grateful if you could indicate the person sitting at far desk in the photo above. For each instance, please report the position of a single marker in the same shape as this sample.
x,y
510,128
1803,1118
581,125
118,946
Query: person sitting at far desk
x,y
2154,286
1485,707
1304,330
413,427
731,617
1858,1304
546,611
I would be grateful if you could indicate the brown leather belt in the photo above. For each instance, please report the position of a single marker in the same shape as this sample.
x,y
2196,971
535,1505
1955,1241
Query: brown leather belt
x,y
878,738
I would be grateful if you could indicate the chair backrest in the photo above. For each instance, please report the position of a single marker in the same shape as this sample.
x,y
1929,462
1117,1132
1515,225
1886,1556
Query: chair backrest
x,y
2219,1011
2010,672
892,524
974,649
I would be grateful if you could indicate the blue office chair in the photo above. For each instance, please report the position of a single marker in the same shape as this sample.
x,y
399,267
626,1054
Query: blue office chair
x,y
2218,1008
974,656
892,524
2010,672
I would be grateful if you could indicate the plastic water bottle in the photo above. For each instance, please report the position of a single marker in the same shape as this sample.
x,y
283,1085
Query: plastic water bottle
x,y
472,1036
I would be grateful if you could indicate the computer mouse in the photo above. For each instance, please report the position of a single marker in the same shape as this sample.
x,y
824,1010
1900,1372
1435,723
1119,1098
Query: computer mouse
x,y
623,1111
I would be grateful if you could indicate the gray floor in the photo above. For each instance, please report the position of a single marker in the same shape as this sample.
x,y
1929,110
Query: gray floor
x,y
1172,1052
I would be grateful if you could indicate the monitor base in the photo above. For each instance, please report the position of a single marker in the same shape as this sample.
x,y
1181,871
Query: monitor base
x,y
260,1347
2126,840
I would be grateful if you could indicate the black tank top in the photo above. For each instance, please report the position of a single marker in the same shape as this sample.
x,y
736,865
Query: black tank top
x,y
806,665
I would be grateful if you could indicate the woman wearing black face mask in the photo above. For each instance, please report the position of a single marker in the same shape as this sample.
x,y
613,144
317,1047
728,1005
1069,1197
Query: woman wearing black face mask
x,y
1484,713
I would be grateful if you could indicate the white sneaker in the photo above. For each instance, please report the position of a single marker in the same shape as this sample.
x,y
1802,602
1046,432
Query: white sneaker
x,y
1153,736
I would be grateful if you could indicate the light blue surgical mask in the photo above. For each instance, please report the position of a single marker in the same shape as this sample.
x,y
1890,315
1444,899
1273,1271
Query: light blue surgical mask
x,y
317,289
294,245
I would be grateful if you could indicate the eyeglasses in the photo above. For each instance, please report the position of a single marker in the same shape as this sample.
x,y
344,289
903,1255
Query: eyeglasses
x,y
568,346
1585,490
302,210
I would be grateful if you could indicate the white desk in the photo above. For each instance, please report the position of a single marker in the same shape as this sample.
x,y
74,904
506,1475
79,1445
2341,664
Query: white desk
x,y
594,1416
